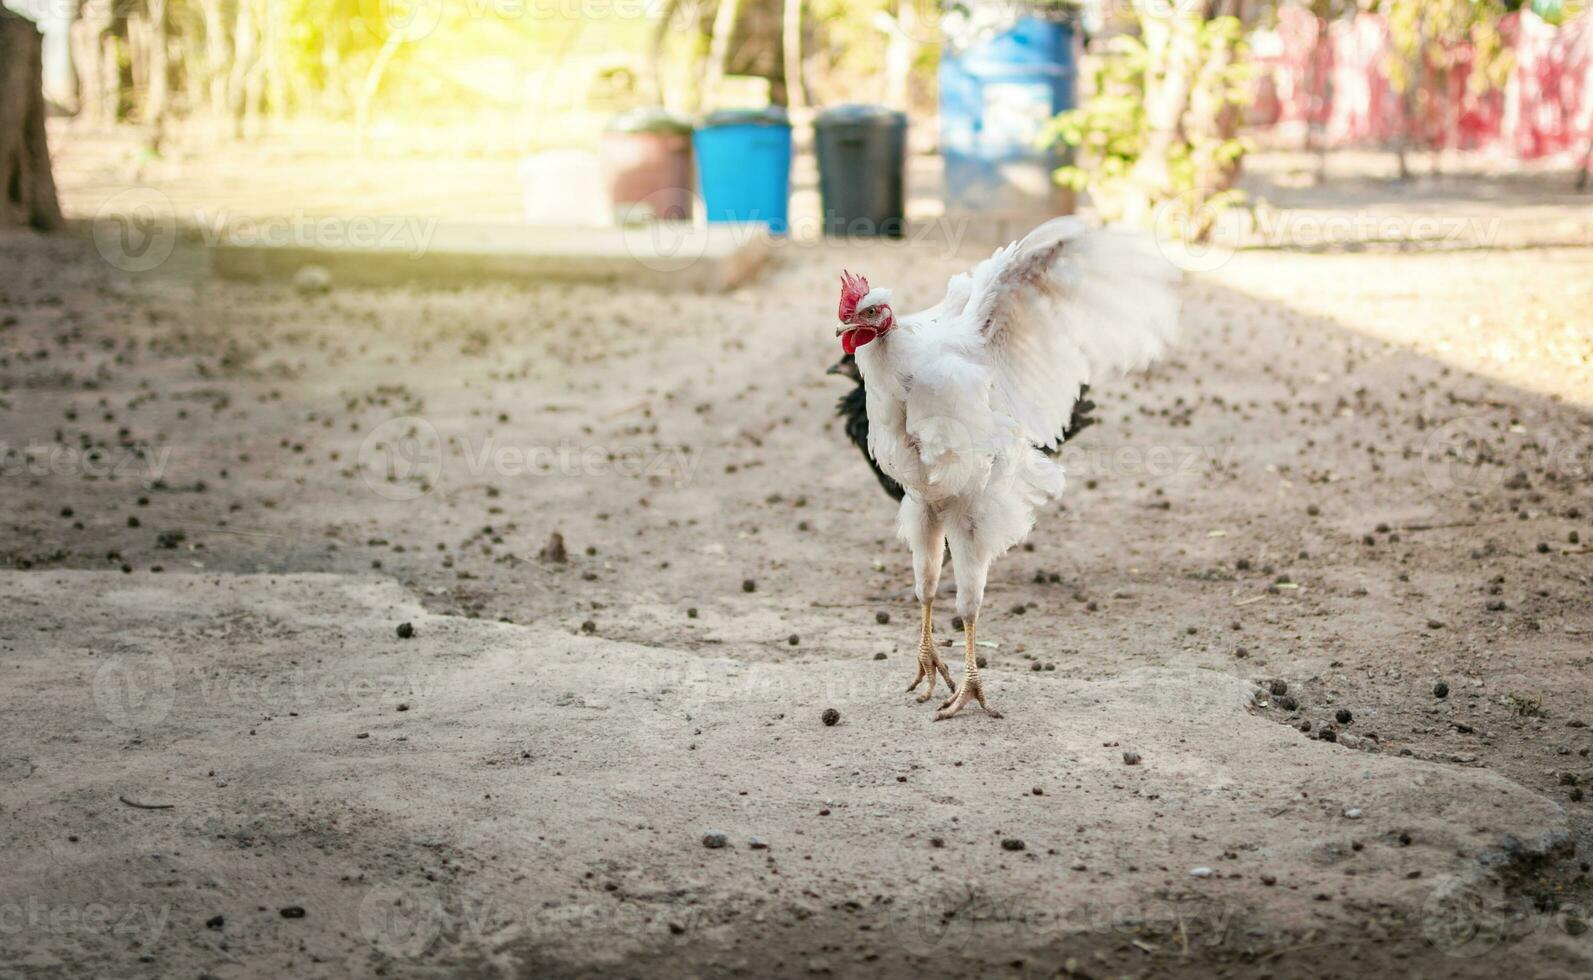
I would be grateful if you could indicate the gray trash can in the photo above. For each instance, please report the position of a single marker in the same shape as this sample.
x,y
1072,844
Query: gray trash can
x,y
862,152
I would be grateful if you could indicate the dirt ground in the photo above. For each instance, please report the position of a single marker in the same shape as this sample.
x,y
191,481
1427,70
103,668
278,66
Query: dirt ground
x,y
1325,571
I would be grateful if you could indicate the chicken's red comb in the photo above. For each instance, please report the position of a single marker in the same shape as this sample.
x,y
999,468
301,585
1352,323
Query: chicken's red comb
x,y
853,289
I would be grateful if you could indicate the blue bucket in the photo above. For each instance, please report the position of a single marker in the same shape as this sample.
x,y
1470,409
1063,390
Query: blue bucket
x,y
995,99
744,166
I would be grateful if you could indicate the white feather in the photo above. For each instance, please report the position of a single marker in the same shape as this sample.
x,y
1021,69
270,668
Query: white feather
x,y
874,297
960,395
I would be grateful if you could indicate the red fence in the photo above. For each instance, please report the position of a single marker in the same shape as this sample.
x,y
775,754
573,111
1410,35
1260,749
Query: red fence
x,y
1335,82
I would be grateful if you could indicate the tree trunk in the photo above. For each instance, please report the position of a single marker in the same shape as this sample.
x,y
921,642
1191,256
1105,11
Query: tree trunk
x,y
791,50
373,82
218,53
97,82
157,96
718,51
1171,41
27,188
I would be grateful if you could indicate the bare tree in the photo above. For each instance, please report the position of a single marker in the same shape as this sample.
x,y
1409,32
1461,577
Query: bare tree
x,y
27,188
791,49
719,50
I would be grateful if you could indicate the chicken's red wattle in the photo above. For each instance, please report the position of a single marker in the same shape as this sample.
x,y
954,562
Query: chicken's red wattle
x,y
855,338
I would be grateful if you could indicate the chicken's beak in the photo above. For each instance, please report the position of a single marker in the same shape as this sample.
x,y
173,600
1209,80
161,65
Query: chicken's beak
x,y
843,328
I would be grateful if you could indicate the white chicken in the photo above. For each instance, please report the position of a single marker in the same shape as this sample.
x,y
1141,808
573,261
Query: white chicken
x,y
962,396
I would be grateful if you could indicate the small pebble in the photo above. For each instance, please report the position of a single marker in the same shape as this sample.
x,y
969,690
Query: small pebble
x,y
748,585
406,630
1130,758
882,618
1440,690
1201,872
292,912
715,839
1353,813
830,717
1343,716
1012,844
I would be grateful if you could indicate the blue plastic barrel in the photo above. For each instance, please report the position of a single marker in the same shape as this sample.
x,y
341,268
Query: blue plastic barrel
x,y
744,166
995,100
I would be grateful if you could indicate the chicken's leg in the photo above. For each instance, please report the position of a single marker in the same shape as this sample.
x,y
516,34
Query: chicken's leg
x,y
971,686
972,563
929,661
926,536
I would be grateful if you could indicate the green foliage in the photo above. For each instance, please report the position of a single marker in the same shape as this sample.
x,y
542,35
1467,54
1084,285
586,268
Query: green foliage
x,y
1201,65
1426,35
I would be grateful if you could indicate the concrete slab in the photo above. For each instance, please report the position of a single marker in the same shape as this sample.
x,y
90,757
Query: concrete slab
x,y
255,776
388,251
